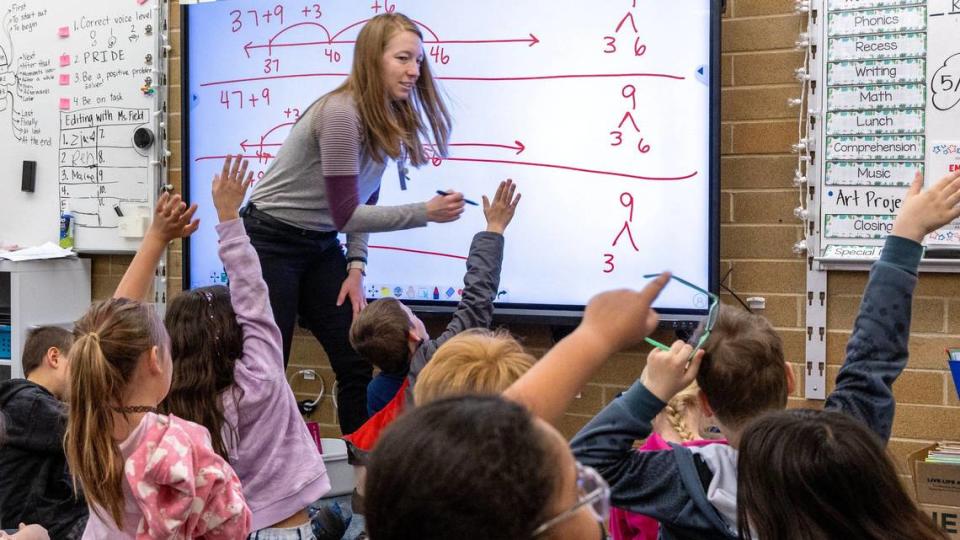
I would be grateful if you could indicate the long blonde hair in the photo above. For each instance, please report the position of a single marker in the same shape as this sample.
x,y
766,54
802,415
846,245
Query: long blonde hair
x,y
388,122
109,341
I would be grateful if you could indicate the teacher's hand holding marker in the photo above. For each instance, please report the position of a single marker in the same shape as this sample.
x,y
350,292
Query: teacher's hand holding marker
x,y
446,206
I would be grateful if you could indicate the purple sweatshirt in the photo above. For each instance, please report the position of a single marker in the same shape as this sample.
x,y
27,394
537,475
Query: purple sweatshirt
x,y
276,459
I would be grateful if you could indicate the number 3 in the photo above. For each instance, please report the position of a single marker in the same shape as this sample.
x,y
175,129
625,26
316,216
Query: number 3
x,y
611,44
608,262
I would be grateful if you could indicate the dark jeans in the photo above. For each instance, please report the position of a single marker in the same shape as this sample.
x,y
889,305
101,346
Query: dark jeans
x,y
304,271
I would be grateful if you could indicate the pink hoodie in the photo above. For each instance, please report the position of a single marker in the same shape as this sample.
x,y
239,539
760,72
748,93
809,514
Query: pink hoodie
x,y
176,487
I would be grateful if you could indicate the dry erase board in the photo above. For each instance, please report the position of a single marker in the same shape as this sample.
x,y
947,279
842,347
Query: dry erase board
x,y
73,90
605,114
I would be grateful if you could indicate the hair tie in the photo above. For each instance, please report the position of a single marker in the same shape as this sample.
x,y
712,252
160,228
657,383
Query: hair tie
x,y
95,336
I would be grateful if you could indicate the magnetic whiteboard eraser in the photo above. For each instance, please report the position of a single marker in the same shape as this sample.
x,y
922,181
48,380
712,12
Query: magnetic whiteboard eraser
x,y
28,180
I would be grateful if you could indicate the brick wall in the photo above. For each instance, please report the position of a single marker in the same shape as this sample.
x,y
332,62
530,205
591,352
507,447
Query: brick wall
x,y
757,232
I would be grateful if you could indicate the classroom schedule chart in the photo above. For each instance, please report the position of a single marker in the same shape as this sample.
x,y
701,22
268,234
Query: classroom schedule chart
x,y
892,75
874,114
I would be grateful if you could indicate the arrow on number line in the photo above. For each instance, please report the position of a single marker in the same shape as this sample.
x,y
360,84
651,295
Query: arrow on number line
x,y
245,144
518,146
531,41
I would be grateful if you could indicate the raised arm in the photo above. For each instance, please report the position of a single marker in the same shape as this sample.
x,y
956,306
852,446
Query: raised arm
x,y
262,344
612,321
878,349
171,219
484,263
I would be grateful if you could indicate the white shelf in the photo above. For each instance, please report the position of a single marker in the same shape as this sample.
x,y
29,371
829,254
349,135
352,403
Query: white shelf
x,y
48,292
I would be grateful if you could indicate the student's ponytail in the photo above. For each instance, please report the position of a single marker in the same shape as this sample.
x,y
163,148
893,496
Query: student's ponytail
x,y
109,341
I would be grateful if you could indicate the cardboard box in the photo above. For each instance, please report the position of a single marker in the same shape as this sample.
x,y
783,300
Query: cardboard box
x,y
936,483
945,517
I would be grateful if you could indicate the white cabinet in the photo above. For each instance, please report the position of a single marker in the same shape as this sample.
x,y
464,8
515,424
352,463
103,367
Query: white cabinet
x,y
48,292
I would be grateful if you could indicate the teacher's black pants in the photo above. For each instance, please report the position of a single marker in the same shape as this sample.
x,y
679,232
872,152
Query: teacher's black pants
x,y
304,271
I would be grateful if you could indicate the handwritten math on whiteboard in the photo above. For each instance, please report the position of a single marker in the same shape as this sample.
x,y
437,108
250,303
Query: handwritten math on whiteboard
x,y
600,112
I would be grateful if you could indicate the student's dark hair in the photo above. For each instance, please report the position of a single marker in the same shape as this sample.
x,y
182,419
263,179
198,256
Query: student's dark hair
x,y
467,467
379,335
205,342
743,372
807,475
39,342
109,341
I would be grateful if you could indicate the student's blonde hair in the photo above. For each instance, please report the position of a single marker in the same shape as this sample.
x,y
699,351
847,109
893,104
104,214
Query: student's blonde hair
x,y
389,122
109,341
477,361
678,410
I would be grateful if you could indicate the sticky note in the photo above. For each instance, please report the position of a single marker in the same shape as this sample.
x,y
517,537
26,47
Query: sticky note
x,y
64,79
64,104
64,60
64,31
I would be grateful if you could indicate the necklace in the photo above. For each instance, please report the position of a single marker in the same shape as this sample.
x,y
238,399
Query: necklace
x,y
135,409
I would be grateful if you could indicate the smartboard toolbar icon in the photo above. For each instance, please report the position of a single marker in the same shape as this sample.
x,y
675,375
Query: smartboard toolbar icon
x,y
703,75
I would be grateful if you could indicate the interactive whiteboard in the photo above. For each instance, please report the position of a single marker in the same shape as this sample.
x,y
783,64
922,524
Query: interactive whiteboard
x,y
605,114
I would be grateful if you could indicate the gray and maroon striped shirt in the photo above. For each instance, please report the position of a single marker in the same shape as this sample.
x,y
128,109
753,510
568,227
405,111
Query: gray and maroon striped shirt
x,y
323,180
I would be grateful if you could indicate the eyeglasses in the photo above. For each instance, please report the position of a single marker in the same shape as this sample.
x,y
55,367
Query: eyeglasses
x,y
706,328
594,492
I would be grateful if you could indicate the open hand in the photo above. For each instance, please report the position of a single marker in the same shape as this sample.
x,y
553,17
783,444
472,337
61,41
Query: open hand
x,y
500,212
926,211
352,288
230,187
172,219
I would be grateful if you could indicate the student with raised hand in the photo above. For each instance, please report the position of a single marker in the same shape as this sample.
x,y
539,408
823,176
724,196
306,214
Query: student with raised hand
x,y
228,376
612,321
35,484
144,474
326,180
389,336
842,482
479,467
693,492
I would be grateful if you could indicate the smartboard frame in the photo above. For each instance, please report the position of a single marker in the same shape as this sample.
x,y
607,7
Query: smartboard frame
x,y
533,312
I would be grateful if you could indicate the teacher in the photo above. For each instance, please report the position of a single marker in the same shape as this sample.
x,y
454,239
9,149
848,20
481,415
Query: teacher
x,y
326,179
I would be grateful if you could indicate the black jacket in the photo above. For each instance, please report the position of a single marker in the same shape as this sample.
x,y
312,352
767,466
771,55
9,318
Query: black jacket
x,y
35,485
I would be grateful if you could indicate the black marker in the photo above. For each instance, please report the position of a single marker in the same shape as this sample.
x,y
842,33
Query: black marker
x,y
468,201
